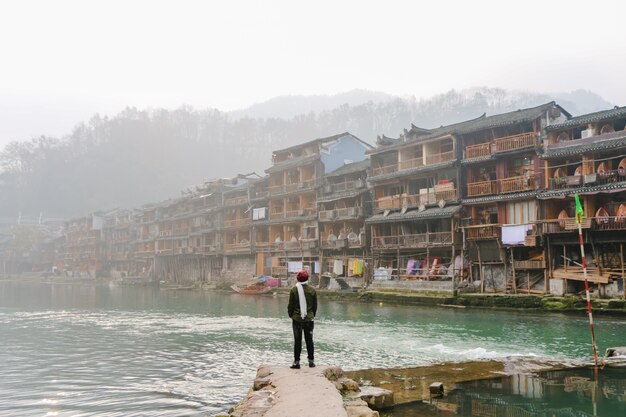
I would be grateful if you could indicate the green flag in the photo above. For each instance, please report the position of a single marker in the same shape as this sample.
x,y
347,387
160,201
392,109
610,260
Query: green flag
x,y
579,208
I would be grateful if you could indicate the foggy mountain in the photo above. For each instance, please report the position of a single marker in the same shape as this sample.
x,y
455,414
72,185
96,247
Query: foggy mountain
x,y
287,107
142,156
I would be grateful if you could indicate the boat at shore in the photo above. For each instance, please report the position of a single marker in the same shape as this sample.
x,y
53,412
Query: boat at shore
x,y
256,288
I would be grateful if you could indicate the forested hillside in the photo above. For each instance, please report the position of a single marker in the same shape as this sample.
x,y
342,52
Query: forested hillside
x,y
141,156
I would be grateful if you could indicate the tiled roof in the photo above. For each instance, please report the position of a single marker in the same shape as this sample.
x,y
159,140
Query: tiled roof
x,y
590,190
350,168
414,215
579,146
585,119
322,140
292,163
499,197
480,123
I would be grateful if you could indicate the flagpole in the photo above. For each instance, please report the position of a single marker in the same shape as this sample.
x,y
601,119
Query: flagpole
x,y
579,215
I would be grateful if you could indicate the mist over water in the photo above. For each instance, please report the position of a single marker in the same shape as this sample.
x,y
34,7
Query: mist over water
x,y
69,350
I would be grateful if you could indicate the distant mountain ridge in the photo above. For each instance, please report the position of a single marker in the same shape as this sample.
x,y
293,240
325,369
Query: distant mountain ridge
x,y
287,107
483,99
144,156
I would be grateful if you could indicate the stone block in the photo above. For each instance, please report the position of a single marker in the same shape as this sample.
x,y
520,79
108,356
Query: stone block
x,y
361,411
377,398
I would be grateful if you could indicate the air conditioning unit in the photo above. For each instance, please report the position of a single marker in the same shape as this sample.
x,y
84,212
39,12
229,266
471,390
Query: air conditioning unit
x,y
328,189
301,212
359,183
587,133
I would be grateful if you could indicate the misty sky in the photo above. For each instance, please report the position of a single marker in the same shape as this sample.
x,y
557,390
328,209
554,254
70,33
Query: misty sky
x,y
62,61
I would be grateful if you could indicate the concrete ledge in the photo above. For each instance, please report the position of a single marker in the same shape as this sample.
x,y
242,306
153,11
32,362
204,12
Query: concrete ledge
x,y
279,391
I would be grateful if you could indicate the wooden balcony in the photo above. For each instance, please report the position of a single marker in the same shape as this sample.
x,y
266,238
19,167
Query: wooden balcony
x,y
516,184
349,212
235,201
481,232
263,246
344,186
511,143
446,193
383,170
295,245
481,188
293,186
411,163
567,225
292,214
342,213
476,151
439,158
237,222
529,264
507,185
237,247
420,240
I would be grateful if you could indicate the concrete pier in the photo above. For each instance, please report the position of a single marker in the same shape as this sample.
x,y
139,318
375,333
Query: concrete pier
x,y
279,391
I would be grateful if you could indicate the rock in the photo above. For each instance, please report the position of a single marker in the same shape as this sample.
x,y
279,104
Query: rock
x,y
616,351
264,371
361,411
333,373
260,383
377,398
347,385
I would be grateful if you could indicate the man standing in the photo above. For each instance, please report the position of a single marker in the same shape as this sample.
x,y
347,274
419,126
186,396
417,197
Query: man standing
x,y
302,309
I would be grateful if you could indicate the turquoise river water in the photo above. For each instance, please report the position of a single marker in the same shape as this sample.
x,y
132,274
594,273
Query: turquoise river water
x,y
86,349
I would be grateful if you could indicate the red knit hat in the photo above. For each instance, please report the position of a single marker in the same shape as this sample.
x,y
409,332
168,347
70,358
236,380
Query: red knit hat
x,y
302,276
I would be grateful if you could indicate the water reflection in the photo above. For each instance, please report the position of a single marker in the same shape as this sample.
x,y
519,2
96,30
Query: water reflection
x,y
85,349
564,393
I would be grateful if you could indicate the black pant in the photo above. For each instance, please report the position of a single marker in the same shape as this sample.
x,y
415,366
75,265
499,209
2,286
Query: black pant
x,y
298,328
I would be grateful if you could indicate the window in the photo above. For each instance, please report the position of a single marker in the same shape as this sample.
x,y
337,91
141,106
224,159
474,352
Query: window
x,y
521,212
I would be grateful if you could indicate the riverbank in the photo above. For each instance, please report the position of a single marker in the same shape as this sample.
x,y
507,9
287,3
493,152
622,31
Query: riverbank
x,y
546,303
499,301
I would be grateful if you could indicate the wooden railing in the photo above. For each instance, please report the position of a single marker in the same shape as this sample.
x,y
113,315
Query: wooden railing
x,y
383,170
234,247
293,186
476,151
564,225
344,186
341,243
234,201
517,184
481,188
479,231
236,222
511,143
414,200
349,212
411,163
529,264
419,240
297,245
262,246
507,185
439,158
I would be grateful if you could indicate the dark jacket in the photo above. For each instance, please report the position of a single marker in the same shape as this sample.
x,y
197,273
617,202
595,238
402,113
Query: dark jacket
x,y
293,309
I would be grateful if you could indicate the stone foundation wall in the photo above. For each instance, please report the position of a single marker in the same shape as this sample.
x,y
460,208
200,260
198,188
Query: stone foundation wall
x,y
239,268
439,286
